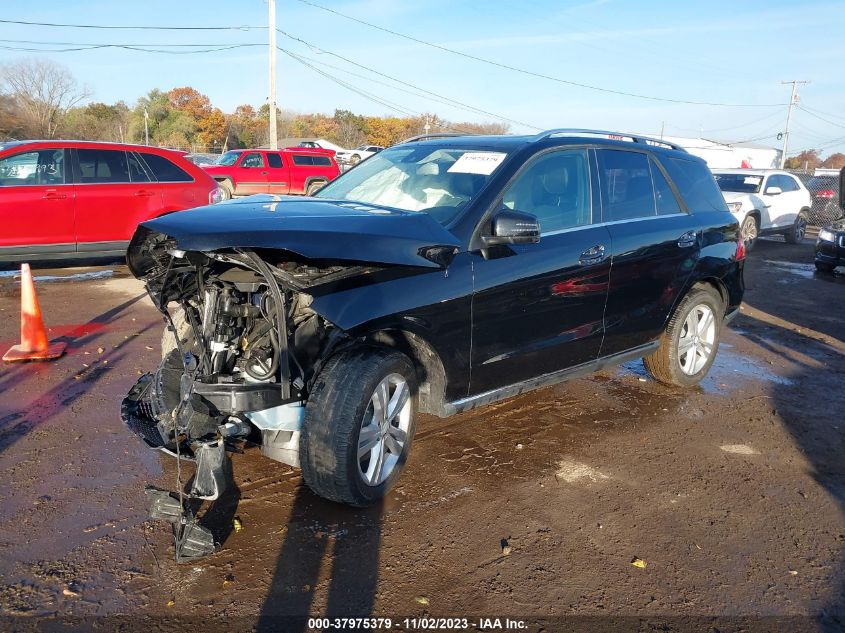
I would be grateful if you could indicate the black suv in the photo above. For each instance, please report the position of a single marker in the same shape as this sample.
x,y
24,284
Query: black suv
x,y
437,276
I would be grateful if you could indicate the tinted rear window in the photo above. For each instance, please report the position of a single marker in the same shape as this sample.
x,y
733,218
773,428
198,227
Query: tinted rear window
x,y
274,160
165,170
102,166
696,184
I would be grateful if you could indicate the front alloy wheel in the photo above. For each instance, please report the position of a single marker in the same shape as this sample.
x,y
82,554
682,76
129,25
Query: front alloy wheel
x,y
358,426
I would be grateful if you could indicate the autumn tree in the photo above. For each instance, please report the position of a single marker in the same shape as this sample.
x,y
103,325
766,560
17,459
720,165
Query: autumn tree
x,y
42,91
808,159
834,161
97,122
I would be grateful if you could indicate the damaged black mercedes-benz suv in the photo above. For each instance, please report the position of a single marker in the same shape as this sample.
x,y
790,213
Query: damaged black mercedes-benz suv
x,y
437,276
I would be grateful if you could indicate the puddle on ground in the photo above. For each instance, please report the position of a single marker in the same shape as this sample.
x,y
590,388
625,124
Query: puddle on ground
x,y
807,271
722,377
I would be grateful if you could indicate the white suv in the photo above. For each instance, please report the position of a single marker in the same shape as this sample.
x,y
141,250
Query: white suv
x,y
766,202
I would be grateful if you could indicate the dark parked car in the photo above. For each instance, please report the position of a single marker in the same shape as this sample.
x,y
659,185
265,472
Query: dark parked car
x,y
826,200
435,277
830,245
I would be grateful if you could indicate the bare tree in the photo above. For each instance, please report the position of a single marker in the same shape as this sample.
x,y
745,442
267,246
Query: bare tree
x,y
43,92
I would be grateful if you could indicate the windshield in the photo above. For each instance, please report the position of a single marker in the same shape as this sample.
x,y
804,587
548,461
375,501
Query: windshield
x,y
440,181
228,159
739,183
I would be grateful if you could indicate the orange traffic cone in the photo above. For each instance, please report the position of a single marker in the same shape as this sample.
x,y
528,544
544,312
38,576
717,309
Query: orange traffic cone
x,y
34,344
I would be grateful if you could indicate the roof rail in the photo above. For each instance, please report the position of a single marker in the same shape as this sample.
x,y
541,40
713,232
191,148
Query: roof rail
x,y
433,135
618,136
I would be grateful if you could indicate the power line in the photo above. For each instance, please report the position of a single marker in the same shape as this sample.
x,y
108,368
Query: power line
x,y
725,129
812,114
128,47
449,100
536,74
149,28
817,111
123,44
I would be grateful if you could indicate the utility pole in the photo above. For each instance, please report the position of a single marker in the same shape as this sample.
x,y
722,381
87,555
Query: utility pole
x,y
274,133
146,127
793,99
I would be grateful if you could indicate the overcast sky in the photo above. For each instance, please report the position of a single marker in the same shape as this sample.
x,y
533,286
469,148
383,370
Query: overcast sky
x,y
715,51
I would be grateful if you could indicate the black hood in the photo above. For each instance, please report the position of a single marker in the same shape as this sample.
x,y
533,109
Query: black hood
x,y
312,228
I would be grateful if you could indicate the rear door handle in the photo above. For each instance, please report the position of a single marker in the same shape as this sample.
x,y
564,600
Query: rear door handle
x,y
688,239
144,194
52,194
592,255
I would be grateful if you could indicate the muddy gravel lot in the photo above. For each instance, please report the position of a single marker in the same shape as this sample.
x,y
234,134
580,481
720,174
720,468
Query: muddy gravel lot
x,y
606,503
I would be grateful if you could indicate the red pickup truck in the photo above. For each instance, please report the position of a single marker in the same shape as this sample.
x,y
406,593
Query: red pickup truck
x,y
302,171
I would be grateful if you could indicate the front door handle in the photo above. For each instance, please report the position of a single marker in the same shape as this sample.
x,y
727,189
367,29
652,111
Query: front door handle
x,y
593,255
144,193
688,239
52,194
263,173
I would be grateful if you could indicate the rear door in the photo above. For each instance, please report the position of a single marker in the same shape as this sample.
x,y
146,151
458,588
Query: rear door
x,y
278,173
251,174
178,187
538,308
36,203
783,207
114,193
655,245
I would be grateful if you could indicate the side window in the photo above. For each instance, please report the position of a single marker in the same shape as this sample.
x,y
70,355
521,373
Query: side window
x,y
667,203
42,167
322,161
627,190
253,159
164,170
102,166
137,172
556,189
299,159
695,182
788,183
274,160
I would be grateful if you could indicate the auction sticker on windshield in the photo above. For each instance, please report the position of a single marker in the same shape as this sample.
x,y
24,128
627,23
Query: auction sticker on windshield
x,y
483,163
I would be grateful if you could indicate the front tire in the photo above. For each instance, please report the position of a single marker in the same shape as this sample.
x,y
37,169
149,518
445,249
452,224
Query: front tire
x,y
228,189
688,345
359,424
795,235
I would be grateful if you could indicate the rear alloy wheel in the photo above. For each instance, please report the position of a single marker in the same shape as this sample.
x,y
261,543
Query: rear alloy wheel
x,y
358,427
355,159
750,232
688,346
795,235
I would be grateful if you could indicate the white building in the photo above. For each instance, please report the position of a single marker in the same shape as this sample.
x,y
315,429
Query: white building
x,y
721,155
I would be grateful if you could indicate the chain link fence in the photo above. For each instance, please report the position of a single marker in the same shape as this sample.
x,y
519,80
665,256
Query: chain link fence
x,y
824,189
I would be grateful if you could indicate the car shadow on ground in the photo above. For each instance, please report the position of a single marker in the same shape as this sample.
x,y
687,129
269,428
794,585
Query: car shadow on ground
x,y
324,534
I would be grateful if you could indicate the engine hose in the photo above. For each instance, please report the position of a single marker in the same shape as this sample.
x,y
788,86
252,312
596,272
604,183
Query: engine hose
x,y
274,363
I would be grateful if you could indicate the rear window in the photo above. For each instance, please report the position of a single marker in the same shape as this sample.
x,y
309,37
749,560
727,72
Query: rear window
x,y
317,161
822,182
696,184
102,166
165,170
274,160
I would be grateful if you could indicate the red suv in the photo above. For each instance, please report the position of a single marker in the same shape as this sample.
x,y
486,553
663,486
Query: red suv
x,y
64,199
300,170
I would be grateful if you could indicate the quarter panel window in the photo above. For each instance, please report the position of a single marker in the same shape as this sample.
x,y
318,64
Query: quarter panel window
x,y
42,167
102,166
164,170
556,189
299,159
627,189
695,182
137,172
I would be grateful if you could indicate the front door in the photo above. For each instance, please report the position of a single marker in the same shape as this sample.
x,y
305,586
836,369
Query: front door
x,y
538,308
782,207
36,203
251,174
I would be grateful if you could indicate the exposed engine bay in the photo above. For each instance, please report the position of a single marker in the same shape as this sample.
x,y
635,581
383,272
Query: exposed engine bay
x,y
241,349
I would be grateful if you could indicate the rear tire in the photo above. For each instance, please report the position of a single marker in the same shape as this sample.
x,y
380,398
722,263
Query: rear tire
x,y
355,159
314,187
347,451
824,267
795,235
688,345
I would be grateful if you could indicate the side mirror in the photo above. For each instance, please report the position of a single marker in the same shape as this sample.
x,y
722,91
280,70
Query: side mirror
x,y
842,188
513,227
773,191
